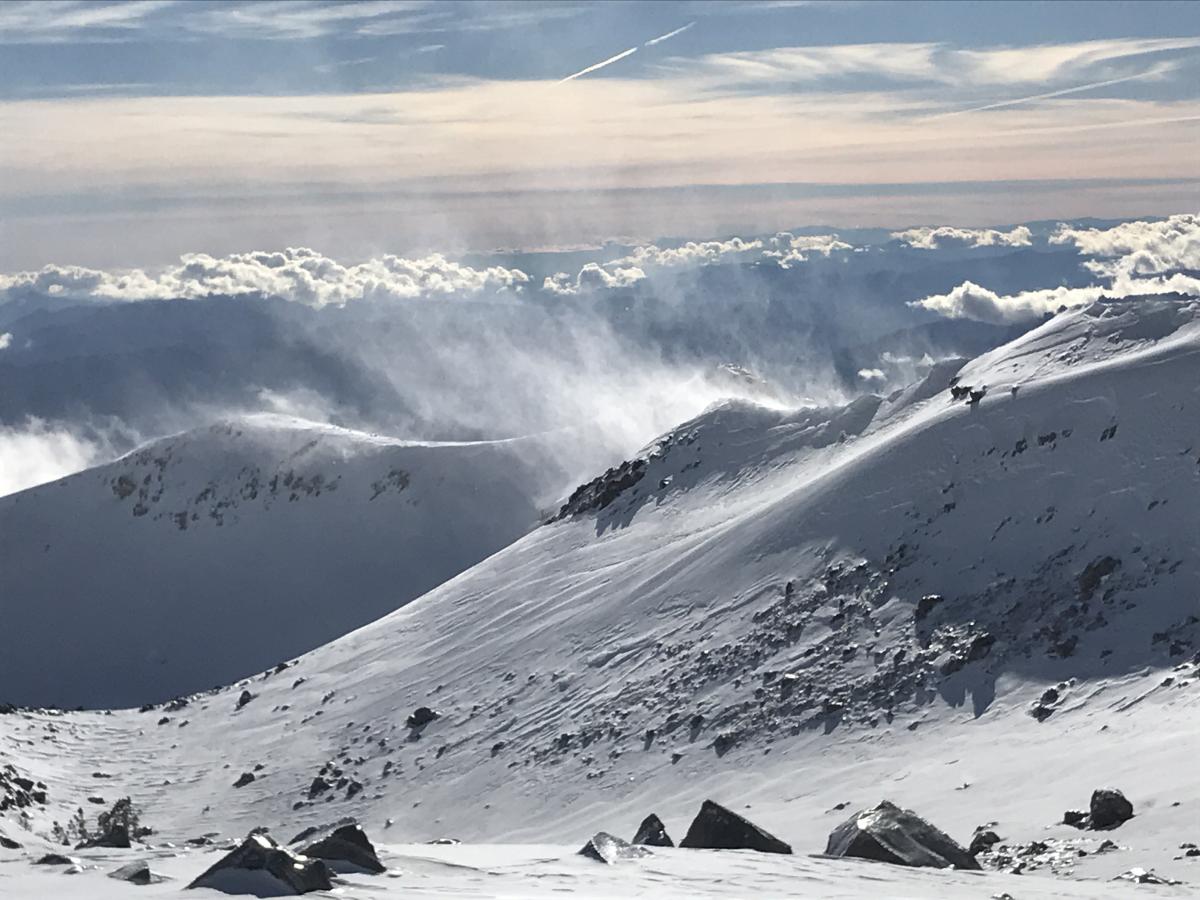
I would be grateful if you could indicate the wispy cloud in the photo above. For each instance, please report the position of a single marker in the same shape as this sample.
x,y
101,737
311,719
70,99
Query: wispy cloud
x,y
35,21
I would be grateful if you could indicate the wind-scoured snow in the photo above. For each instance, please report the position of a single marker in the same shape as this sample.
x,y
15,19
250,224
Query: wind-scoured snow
x,y
738,615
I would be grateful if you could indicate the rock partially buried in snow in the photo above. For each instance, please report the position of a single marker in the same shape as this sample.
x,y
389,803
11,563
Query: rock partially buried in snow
x,y
652,833
607,848
717,828
263,868
137,873
347,850
887,833
55,859
421,717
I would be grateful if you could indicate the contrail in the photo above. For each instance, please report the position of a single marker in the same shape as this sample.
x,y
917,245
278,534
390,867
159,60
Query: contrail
x,y
668,35
600,65
625,53
1071,90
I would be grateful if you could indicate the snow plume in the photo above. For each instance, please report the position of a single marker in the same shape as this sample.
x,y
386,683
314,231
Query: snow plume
x,y
1138,248
36,452
927,238
786,248
297,274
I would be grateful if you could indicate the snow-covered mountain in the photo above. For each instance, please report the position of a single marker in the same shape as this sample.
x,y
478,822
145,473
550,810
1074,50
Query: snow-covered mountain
x,y
211,554
981,604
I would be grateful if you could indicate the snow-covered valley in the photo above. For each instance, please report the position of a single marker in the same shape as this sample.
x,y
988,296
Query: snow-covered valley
x,y
981,604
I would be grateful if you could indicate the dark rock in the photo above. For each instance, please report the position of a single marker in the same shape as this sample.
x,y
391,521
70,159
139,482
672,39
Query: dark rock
x,y
926,605
1094,573
115,836
717,828
8,843
137,873
54,859
890,834
982,841
1076,818
607,848
319,786
421,717
244,779
245,698
262,867
653,833
1108,809
305,834
347,850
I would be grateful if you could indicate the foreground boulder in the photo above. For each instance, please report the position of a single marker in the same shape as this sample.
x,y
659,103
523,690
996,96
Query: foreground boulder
x,y
717,828
263,868
137,873
607,848
887,833
1108,809
652,833
346,850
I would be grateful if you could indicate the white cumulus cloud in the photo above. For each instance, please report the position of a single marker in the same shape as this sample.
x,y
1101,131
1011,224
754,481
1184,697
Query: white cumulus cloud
x,y
296,273
5,340
786,248
929,238
1138,248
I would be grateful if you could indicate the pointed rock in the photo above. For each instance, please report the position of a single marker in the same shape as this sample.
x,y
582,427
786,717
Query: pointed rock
x,y
653,833
262,868
347,850
137,873
887,833
606,848
717,828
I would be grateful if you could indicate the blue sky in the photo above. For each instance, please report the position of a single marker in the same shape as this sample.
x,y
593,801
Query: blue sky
x,y
130,133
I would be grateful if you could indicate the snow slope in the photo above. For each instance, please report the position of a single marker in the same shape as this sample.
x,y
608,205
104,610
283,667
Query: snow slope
x,y
207,555
738,616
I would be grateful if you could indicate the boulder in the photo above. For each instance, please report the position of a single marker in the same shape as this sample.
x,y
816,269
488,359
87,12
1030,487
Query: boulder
x,y
8,843
244,779
1076,818
346,849
606,848
887,833
115,836
54,859
262,868
652,833
982,841
1108,809
137,873
717,828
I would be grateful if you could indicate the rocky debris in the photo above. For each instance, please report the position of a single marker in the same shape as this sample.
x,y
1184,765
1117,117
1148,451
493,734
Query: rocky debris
x,y
137,873
421,717
927,605
18,791
245,698
244,779
607,848
890,834
260,866
717,828
347,850
55,859
1139,875
1108,809
1094,574
601,491
319,786
652,833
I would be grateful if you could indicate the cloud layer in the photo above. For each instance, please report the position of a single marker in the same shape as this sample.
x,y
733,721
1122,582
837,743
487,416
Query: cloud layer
x,y
1134,258
296,273
927,238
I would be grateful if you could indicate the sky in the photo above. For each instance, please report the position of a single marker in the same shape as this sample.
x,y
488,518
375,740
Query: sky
x,y
132,133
